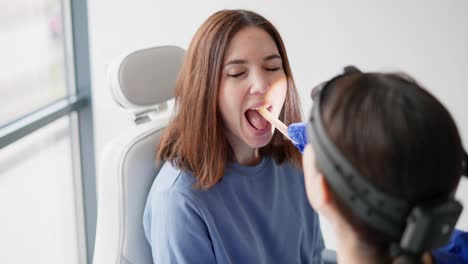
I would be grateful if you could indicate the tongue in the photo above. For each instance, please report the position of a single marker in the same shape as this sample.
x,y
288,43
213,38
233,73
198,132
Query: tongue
x,y
256,120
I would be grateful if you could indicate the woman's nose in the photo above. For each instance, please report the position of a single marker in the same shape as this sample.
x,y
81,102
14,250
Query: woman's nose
x,y
260,84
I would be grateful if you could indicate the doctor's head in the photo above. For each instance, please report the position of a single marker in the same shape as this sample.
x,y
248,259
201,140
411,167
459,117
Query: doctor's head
x,y
236,62
384,131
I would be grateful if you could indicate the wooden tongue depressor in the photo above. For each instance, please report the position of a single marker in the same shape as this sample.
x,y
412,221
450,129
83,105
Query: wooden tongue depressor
x,y
275,122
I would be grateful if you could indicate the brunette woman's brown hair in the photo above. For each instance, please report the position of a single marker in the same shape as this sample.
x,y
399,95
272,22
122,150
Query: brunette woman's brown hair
x,y
195,140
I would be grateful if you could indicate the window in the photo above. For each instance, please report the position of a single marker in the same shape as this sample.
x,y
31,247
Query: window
x,y
32,69
37,197
47,172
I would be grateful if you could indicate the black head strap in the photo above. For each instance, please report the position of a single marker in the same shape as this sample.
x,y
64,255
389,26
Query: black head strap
x,y
416,227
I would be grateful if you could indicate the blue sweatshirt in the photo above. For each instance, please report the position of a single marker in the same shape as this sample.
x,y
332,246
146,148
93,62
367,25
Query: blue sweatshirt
x,y
255,214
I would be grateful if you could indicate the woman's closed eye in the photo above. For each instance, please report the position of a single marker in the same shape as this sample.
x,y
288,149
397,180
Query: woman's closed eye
x,y
238,74
272,68
235,75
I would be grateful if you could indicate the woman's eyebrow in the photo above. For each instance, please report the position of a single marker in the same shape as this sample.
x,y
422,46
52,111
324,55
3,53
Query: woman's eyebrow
x,y
271,57
240,61
235,62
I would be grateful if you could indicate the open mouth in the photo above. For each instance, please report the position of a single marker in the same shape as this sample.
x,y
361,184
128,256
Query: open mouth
x,y
255,119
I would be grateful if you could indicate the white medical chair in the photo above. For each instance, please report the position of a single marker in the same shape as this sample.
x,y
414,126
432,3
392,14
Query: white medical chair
x,y
141,82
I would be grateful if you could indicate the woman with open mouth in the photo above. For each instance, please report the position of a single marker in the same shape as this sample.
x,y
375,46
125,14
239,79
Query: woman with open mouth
x,y
232,189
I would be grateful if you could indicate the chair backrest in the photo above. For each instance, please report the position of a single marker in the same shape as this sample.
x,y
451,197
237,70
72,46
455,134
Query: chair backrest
x,y
141,82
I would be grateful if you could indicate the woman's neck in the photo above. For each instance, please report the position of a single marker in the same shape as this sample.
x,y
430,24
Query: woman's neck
x,y
247,156
243,153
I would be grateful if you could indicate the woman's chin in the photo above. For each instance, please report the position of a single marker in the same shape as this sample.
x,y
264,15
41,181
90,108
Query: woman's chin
x,y
259,141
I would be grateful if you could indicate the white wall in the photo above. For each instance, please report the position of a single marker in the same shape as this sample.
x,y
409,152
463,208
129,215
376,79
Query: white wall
x,y
428,39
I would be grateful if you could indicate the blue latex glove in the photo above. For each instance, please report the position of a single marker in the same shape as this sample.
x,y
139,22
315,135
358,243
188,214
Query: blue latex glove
x,y
297,132
455,252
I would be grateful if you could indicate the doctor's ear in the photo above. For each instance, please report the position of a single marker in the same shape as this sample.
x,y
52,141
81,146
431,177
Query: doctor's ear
x,y
318,190
322,196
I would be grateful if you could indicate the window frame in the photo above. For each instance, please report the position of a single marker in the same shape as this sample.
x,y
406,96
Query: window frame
x,y
77,105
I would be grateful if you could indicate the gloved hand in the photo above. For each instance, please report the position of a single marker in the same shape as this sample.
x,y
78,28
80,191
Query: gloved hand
x,y
297,132
455,252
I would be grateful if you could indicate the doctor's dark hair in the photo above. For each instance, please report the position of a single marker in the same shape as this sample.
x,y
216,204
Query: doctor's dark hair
x,y
399,137
194,139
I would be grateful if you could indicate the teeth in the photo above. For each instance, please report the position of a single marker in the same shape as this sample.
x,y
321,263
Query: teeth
x,y
266,107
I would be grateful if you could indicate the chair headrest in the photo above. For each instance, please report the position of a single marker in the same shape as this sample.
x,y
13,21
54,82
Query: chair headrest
x,y
145,77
